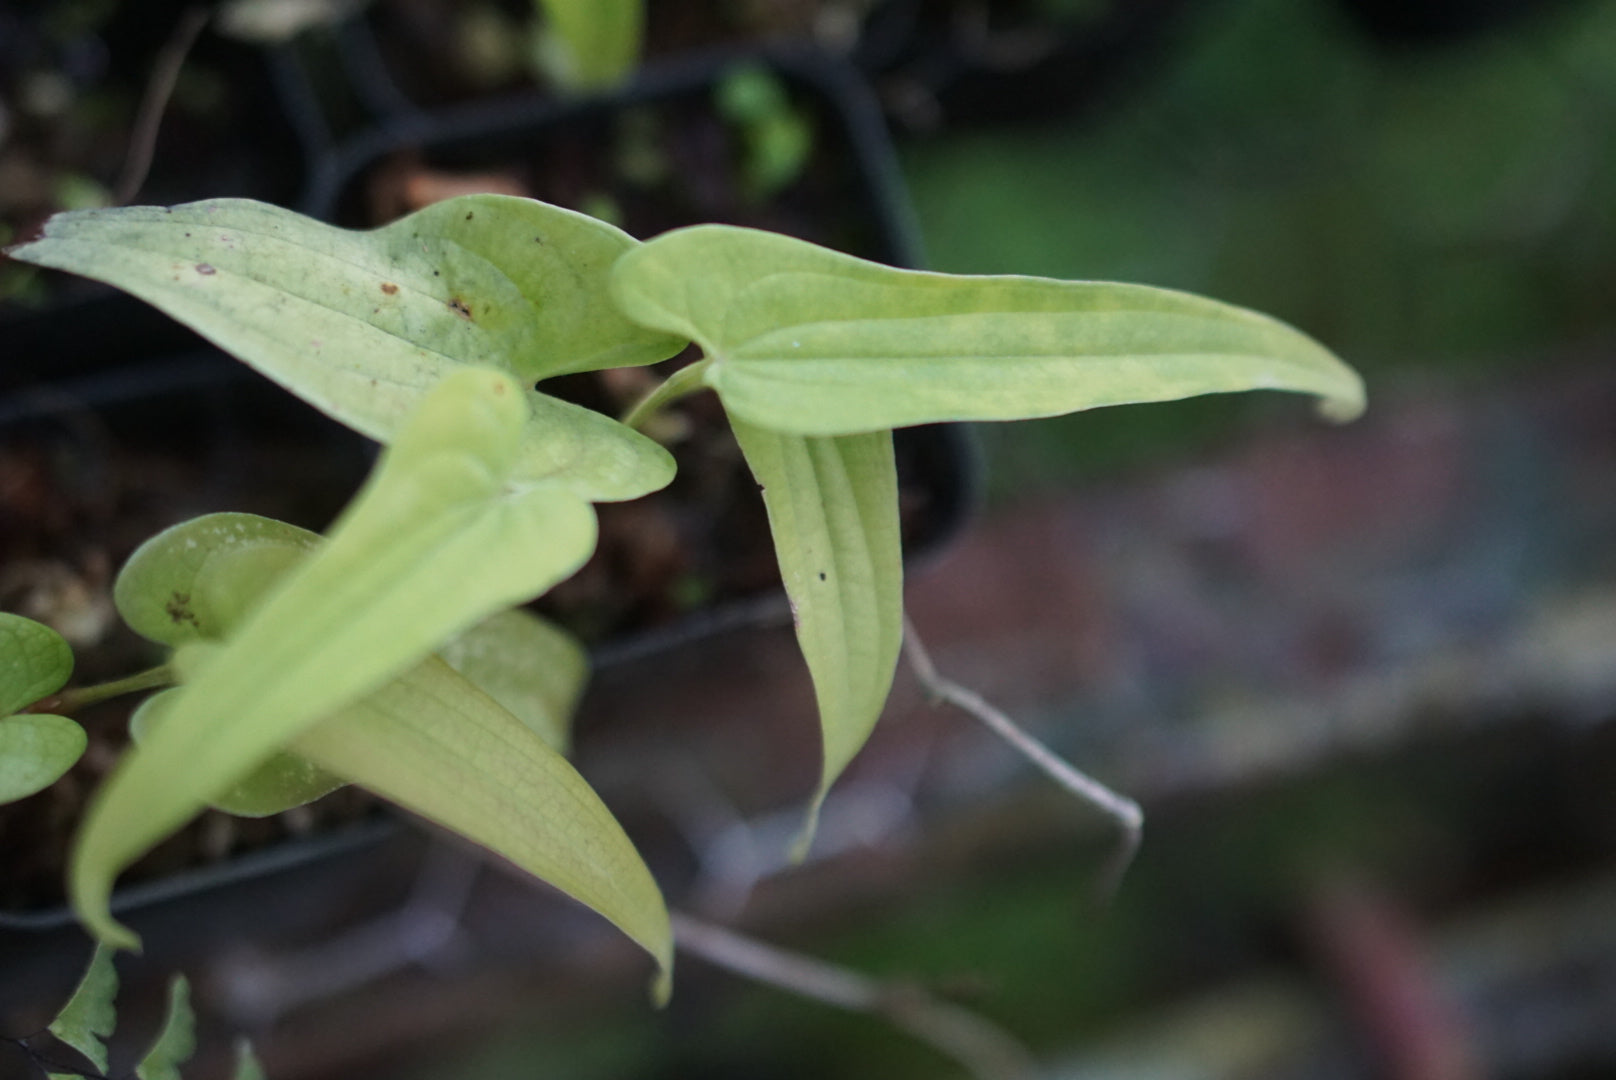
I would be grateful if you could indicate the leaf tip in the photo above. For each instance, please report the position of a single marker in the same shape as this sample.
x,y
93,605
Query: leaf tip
x,y
804,842
662,987
1346,407
91,897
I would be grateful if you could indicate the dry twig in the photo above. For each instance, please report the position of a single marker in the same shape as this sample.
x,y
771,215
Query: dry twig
x,y
1121,809
984,1049
159,88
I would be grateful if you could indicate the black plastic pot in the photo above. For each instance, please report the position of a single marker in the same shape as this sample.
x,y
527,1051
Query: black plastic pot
x,y
256,143
945,63
95,465
400,58
850,197
1409,23
862,182
207,392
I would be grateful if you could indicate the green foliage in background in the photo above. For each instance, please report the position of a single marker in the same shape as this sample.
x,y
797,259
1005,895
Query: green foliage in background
x,y
1447,208
591,44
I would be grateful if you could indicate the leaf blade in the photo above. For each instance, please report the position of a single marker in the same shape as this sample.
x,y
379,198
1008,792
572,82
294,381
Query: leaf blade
x,y
833,513
89,1016
362,324
176,1040
492,779
166,592
535,670
36,749
435,542
34,661
814,342
277,784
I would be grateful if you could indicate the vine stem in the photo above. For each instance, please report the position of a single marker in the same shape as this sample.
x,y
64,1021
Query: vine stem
x,y
165,74
682,383
68,702
980,1046
1121,809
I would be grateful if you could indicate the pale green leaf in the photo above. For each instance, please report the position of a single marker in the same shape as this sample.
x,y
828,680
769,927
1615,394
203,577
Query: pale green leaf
x,y
833,512
35,750
479,279
532,667
439,539
277,784
176,1042
247,1066
436,745
34,661
194,581
599,40
89,1016
362,324
813,342
591,455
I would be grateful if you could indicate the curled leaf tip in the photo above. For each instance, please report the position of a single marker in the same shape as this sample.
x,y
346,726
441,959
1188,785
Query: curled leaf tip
x,y
107,930
1344,408
90,893
662,986
804,842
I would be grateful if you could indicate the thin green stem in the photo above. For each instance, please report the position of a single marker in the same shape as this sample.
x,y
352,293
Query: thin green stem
x,y
80,697
682,383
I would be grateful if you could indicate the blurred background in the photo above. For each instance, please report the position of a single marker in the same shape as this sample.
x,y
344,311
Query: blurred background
x,y
1361,678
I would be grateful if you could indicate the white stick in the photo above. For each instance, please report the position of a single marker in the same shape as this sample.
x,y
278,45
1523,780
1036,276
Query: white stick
x,y
1121,809
980,1046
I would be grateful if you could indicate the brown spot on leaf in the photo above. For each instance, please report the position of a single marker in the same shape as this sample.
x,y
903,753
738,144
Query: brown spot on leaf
x,y
205,269
460,308
389,288
178,609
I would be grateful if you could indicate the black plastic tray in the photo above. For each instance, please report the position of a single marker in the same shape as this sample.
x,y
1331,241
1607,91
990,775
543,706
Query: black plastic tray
x,y
85,327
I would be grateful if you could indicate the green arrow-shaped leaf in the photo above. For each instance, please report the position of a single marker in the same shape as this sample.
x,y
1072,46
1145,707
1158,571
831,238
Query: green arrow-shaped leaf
x,y
813,342
376,316
197,580
363,324
833,512
439,539
473,743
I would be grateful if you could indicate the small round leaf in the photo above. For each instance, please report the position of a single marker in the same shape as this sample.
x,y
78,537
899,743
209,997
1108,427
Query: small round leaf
x,y
35,750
